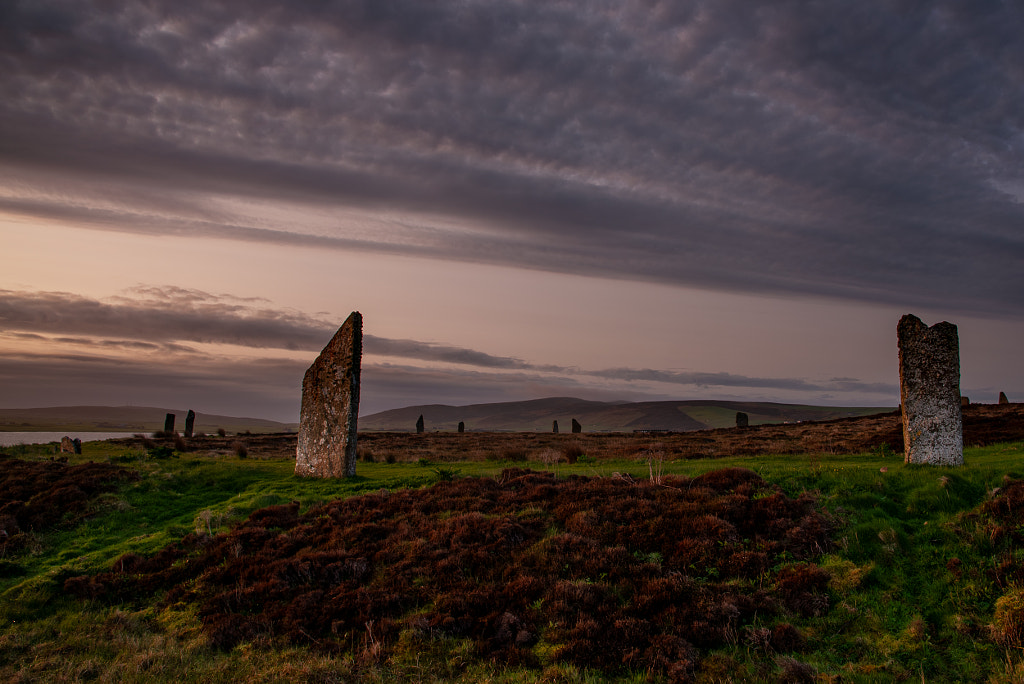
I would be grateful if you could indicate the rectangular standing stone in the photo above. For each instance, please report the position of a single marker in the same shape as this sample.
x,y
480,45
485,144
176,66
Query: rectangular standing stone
x,y
330,406
169,423
190,423
930,392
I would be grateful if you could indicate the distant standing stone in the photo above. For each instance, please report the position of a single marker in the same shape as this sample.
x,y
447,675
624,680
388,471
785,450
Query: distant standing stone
x,y
554,426
462,426
742,419
169,423
419,425
929,361
1003,399
330,406
965,401
77,445
576,427
190,423
67,446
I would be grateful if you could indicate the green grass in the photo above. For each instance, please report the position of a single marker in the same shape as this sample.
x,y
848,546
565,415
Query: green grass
x,y
897,609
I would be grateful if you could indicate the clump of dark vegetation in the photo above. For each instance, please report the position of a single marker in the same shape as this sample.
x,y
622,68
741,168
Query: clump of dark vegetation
x,y
160,451
37,495
572,452
598,572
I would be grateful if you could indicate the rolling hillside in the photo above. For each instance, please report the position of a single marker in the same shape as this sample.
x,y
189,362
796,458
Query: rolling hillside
x,y
595,416
127,418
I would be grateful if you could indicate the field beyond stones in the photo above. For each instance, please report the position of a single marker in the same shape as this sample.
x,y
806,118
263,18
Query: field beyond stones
x,y
793,553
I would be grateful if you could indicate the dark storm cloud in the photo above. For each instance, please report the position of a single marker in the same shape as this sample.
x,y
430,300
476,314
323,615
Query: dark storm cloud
x,y
130,347
868,150
158,317
162,315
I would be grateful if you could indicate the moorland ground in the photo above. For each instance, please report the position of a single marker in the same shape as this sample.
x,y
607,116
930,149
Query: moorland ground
x,y
519,557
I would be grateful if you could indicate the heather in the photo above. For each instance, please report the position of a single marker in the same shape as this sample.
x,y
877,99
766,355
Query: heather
x,y
638,566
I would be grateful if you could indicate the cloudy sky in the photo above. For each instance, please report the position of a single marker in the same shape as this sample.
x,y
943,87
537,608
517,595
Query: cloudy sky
x,y
632,199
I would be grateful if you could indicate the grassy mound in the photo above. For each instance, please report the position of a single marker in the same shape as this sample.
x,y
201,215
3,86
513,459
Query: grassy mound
x,y
37,495
605,573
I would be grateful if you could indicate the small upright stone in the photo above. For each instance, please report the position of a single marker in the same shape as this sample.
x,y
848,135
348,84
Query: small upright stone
x,y
77,445
742,419
330,406
929,361
169,423
965,401
576,427
419,425
190,423
1003,399
462,426
67,445
554,426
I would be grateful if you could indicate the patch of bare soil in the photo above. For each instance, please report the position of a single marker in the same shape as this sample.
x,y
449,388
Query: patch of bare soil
x,y
36,495
605,572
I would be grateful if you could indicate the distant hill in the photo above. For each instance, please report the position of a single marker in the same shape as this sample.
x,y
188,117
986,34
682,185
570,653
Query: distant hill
x,y
127,418
597,416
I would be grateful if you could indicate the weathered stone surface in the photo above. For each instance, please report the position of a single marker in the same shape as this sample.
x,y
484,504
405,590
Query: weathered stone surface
x,y
330,406
554,426
169,423
930,392
576,427
462,426
67,446
1003,399
190,422
742,419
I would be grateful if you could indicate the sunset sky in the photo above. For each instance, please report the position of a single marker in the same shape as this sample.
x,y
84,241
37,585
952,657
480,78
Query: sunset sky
x,y
621,200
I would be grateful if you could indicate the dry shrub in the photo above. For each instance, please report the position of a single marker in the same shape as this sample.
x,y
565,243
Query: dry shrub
x,y
1008,505
795,672
1008,620
239,449
572,452
802,588
513,455
787,638
616,575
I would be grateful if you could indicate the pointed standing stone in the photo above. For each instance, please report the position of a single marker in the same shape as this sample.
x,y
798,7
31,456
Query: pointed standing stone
x,y
190,423
742,419
554,426
169,423
419,425
462,426
330,406
576,427
930,392
1003,399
